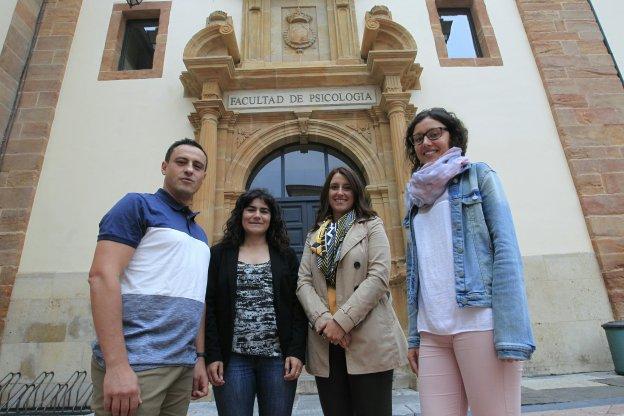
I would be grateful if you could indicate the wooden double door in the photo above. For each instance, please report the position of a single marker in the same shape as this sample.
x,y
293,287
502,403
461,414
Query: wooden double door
x,y
299,214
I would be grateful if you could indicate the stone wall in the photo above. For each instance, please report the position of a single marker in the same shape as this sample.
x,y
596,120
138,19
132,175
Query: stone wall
x,y
48,326
14,54
587,101
27,141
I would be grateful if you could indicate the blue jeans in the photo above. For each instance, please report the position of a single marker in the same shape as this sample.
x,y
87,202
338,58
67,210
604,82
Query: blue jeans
x,y
245,376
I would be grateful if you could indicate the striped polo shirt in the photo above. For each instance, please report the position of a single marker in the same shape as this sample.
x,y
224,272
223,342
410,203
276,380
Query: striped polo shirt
x,y
163,287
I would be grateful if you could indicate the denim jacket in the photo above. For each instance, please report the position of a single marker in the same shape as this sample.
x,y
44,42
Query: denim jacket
x,y
486,258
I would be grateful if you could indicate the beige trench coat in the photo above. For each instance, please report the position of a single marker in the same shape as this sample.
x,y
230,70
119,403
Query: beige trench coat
x,y
363,299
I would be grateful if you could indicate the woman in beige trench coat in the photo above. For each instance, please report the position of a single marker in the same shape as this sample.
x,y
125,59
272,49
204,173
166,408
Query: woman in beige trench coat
x,y
354,340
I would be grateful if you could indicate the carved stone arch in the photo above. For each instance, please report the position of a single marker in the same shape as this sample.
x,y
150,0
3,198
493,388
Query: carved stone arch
x,y
323,132
216,39
382,33
393,36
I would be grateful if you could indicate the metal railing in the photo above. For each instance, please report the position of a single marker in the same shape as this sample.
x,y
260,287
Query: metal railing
x,y
44,396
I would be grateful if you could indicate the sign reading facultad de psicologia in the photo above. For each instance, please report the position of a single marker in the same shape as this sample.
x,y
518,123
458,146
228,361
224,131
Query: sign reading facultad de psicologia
x,y
265,100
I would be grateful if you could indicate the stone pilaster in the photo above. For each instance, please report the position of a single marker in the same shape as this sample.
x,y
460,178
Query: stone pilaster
x,y
28,136
205,199
587,101
395,105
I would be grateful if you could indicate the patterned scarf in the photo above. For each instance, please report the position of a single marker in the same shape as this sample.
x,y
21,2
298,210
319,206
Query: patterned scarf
x,y
429,182
327,243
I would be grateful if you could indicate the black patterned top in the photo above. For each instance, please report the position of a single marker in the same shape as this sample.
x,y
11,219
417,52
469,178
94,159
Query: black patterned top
x,y
255,326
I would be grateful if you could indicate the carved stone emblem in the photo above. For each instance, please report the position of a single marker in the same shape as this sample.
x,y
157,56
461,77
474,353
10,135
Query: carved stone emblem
x,y
299,34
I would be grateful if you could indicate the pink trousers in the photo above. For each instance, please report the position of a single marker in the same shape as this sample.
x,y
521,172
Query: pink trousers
x,y
461,370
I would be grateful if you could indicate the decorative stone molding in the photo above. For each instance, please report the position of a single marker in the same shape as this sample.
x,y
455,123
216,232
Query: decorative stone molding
x,y
411,77
377,115
241,135
211,90
322,31
230,198
256,27
381,202
195,120
381,33
343,31
390,49
319,131
410,112
370,137
484,32
364,131
299,35
303,118
397,273
342,4
115,36
216,38
380,12
218,16
228,121
391,53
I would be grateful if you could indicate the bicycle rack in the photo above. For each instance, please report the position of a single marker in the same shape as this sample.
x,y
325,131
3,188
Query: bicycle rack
x,y
44,396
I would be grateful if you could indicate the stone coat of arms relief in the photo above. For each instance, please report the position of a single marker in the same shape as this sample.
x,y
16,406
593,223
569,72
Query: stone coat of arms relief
x,y
299,34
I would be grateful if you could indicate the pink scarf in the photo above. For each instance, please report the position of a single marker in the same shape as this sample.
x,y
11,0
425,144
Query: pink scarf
x,y
430,180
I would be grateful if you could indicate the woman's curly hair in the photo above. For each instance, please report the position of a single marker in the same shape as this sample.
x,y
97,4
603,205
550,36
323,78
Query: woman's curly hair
x,y
455,127
276,236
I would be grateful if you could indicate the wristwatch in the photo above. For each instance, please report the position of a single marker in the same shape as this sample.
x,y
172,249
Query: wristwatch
x,y
201,354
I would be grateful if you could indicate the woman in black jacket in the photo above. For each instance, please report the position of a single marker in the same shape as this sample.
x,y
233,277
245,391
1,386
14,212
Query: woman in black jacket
x,y
255,326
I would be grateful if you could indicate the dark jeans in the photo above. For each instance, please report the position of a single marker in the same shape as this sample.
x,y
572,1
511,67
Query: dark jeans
x,y
247,376
344,394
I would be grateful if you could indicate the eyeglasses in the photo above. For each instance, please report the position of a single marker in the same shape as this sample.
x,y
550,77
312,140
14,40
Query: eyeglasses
x,y
432,134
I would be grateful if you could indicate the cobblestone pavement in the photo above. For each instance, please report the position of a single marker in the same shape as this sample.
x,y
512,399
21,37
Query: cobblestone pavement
x,y
617,409
585,394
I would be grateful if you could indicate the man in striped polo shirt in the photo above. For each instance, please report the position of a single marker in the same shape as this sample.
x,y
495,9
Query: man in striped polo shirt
x,y
148,284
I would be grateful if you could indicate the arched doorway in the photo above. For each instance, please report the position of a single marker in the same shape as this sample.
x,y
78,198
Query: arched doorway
x,y
294,175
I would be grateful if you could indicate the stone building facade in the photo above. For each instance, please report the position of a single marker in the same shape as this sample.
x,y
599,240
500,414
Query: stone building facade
x,y
262,82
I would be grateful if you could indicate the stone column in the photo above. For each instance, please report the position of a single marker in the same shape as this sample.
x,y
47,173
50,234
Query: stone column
x,y
395,105
204,200
381,203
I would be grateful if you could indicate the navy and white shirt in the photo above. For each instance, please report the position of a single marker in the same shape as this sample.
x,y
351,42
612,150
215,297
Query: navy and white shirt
x,y
163,287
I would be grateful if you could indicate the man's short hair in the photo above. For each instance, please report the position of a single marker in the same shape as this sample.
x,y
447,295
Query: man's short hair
x,y
185,141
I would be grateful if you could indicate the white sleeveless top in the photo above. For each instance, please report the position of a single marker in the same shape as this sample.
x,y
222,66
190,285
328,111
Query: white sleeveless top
x,y
438,312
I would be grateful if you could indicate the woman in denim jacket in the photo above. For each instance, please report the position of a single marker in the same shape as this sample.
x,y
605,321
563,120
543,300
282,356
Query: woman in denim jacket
x,y
469,328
